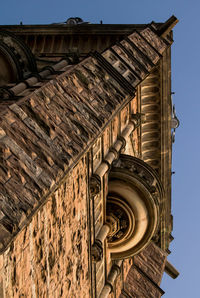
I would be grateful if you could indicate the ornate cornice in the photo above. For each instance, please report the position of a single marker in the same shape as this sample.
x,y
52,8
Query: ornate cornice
x,y
151,128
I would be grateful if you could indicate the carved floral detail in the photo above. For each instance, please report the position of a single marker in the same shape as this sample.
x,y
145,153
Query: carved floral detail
x,y
143,172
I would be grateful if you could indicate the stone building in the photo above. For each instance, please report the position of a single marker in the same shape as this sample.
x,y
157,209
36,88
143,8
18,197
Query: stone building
x,y
85,159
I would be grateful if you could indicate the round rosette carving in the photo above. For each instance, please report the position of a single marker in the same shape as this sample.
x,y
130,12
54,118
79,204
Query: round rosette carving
x,y
134,203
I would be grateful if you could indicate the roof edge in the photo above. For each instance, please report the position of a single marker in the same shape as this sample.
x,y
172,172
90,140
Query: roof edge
x,y
166,27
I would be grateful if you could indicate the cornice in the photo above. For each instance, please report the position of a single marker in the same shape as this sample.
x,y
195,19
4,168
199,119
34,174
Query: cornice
x,y
156,143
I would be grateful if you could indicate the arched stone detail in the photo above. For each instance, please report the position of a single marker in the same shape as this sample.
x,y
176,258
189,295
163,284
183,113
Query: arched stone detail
x,y
134,201
16,59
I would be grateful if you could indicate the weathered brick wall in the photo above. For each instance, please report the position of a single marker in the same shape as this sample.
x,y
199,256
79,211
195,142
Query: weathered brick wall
x,y
50,256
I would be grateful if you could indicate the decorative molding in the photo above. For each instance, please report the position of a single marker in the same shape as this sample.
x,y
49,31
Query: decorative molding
x,y
151,128
119,217
142,170
134,204
116,267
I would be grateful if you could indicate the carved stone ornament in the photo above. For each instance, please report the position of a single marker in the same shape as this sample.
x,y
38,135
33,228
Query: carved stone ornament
x,y
97,251
137,119
119,218
134,201
95,185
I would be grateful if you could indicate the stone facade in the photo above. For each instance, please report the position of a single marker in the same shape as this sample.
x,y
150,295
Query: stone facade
x,y
49,258
68,136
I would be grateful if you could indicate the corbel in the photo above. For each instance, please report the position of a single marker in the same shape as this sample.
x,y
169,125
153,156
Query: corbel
x,y
94,185
97,251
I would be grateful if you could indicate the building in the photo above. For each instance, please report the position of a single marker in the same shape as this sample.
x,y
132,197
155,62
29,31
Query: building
x,y
85,159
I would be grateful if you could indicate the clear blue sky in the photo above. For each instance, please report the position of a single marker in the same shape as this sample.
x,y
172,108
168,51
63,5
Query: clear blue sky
x,y
185,82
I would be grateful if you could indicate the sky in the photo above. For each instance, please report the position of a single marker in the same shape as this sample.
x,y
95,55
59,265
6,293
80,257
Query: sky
x,y
185,83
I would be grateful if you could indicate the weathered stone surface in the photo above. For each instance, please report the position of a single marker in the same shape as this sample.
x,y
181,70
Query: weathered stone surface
x,y
47,131
44,181
138,278
144,46
153,39
137,285
152,262
50,256
142,275
141,62
45,139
